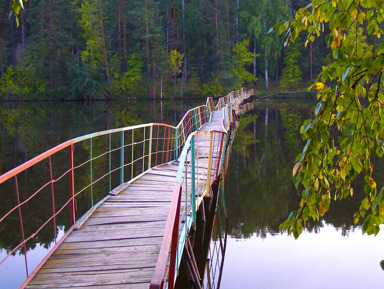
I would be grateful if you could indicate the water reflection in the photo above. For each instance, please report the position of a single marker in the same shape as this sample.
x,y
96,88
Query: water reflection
x,y
332,253
28,129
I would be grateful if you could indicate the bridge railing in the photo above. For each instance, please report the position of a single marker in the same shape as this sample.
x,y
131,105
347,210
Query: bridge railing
x,y
76,175
192,120
200,163
199,166
73,177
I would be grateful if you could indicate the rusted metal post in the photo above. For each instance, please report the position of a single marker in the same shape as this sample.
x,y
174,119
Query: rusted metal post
x,y
72,185
21,226
175,239
53,199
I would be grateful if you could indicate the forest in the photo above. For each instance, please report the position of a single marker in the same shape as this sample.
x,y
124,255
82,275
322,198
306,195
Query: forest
x,y
93,49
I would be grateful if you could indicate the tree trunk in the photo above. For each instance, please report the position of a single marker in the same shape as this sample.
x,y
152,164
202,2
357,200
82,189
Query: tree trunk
x,y
228,30
266,68
237,20
53,64
254,57
277,72
12,38
104,50
124,41
216,35
119,32
147,48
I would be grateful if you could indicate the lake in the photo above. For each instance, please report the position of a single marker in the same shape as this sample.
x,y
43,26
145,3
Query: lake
x,y
258,192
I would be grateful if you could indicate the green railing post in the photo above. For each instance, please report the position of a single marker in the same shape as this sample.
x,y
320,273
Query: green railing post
x,y
193,180
110,161
122,157
150,147
91,169
176,145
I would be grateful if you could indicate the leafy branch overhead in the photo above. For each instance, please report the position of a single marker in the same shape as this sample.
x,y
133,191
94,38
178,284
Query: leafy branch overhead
x,y
16,7
347,128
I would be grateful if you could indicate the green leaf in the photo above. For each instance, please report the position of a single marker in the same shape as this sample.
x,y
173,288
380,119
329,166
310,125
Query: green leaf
x,y
16,8
382,264
318,108
345,73
296,168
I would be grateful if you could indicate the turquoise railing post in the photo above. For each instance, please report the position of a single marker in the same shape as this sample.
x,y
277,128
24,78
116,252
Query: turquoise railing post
x,y
91,169
122,157
223,153
176,145
206,114
193,179
110,161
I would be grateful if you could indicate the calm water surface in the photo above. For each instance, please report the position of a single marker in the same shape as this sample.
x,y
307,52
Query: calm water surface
x,y
258,191
259,194
28,129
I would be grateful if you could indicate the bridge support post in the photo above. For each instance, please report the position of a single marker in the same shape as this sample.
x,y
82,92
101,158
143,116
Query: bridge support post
x,y
121,157
193,180
72,185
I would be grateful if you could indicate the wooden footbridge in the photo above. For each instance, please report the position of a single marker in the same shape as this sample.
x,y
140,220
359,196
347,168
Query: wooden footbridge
x,y
133,237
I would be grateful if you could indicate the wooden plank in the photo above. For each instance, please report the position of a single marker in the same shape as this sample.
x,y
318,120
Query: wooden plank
x,y
144,285
112,243
107,250
94,278
114,235
128,226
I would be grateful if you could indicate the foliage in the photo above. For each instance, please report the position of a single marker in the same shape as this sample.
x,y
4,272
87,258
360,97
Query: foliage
x,y
242,57
175,62
347,128
60,37
291,72
16,7
85,82
22,81
132,77
212,88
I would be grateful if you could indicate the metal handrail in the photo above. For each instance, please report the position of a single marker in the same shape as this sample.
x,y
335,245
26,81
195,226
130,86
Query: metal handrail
x,y
127,151
172,247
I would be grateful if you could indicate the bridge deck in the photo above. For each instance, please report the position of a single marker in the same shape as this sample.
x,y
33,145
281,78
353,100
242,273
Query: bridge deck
x,y
117,246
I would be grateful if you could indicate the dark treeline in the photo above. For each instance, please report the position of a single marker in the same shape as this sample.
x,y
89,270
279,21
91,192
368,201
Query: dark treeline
x,y
93,49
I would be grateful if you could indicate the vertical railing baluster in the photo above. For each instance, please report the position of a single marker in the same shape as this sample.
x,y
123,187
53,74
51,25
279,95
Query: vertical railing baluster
x,y
72,185
209,163
164,138
193,179
168,144
223,152
132,152
91,168
157,143
121,157
174,244
219,155
21,226
176,145
144,140
53,199
110,161
150,147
